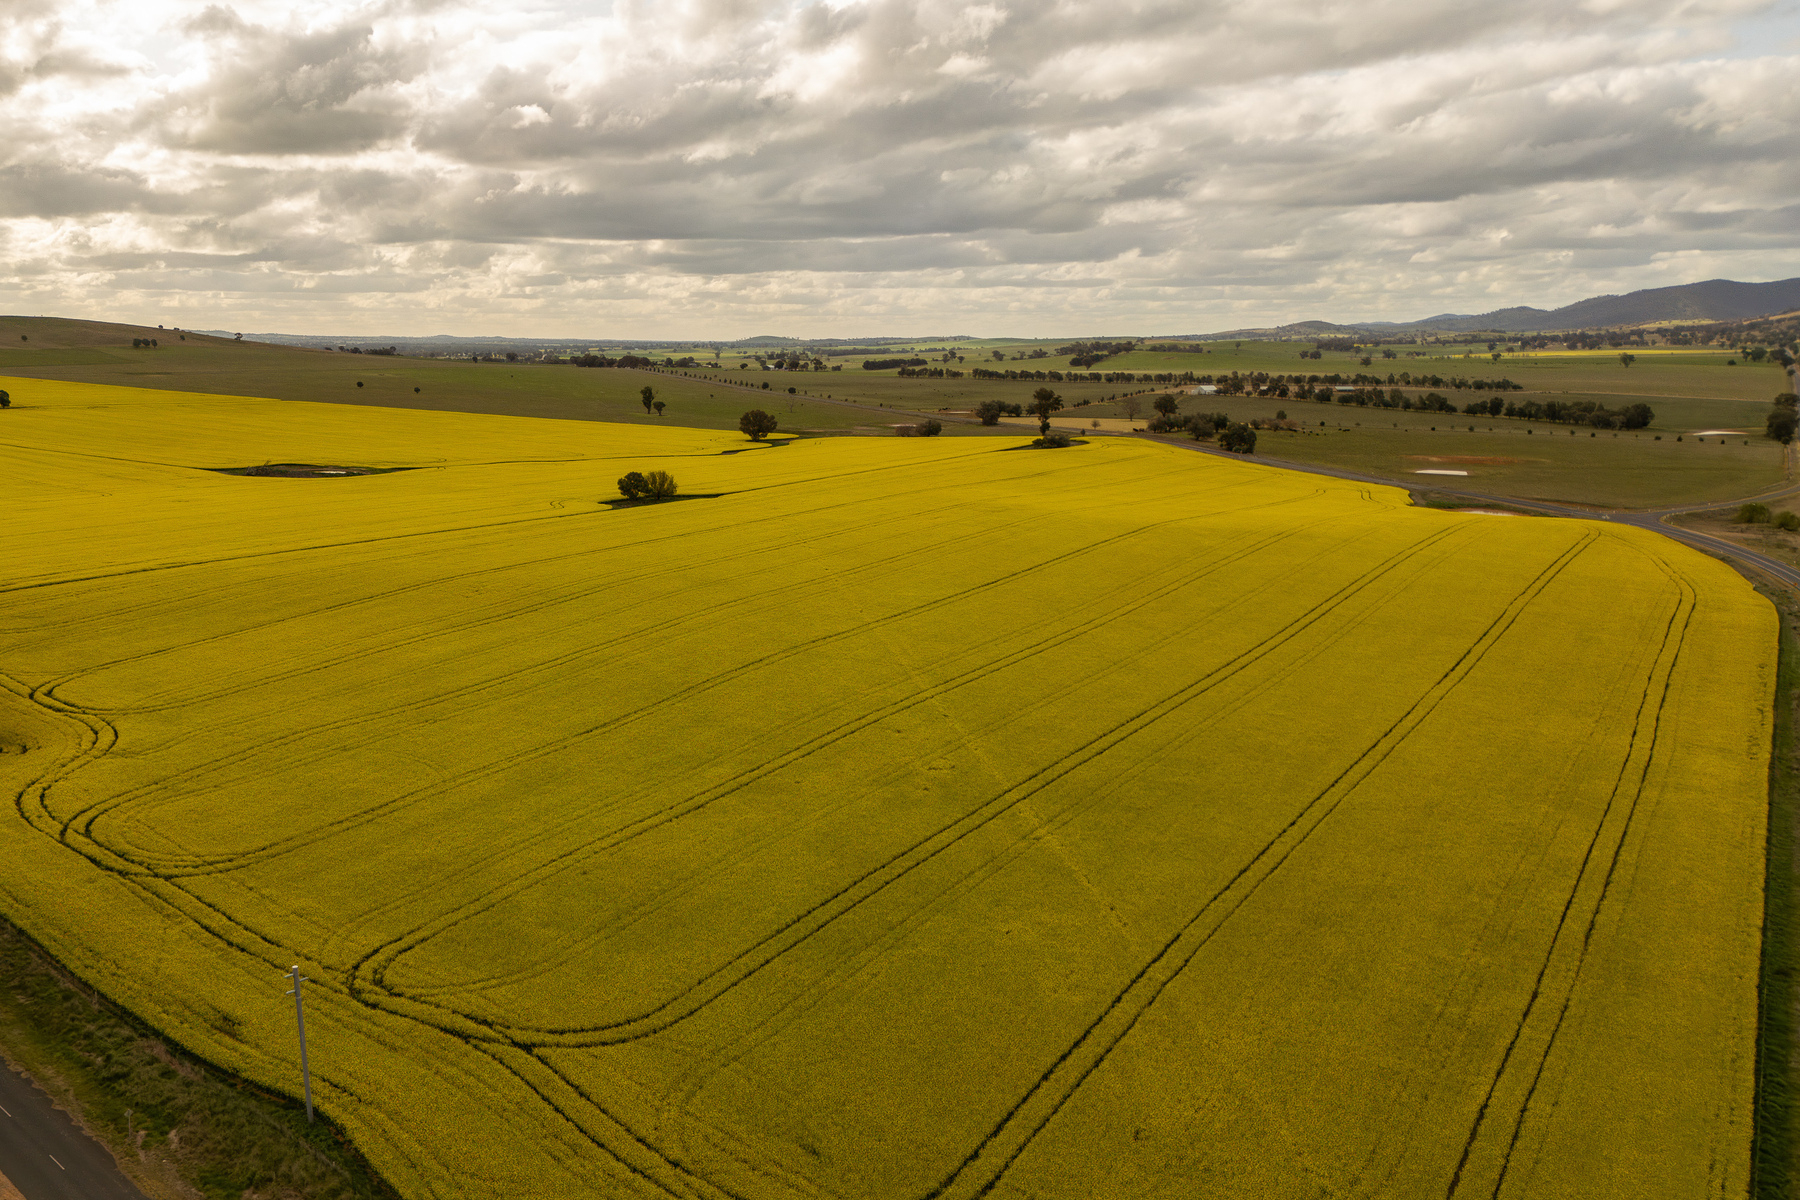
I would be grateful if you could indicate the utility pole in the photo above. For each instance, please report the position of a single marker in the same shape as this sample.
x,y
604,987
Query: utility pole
x,y
300,1021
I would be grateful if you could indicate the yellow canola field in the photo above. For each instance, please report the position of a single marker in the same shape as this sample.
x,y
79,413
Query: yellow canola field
x,y
906,818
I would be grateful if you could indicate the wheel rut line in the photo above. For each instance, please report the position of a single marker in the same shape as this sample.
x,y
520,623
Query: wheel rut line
x,y
1638,735
647,711
1161,971
771,766
1612,867
130,798
852,895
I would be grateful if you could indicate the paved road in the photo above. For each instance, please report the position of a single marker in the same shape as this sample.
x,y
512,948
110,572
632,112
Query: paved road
x,y
45,1154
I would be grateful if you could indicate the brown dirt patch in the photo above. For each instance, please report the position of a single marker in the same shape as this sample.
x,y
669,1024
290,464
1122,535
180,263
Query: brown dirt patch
x,y
1483,460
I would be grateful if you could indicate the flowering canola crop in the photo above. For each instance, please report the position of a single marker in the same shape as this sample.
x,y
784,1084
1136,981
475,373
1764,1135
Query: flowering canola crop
x,y
889,818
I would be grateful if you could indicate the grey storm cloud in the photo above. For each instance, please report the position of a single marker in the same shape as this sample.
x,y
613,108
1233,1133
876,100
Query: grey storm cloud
x,y
645,166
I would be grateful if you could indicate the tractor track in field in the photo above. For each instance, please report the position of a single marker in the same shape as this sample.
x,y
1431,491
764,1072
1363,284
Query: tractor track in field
x,y
237,858
1650,707
878,878
984,1167
244,856
1065,1076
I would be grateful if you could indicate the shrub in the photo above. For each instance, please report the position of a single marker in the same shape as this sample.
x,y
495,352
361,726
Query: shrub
x,y
757,423
659,485
1752,514
931,428
1787,520
5,400
632,485
1056,439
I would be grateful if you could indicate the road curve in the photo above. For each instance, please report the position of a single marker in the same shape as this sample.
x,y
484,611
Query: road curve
x,y
45,1155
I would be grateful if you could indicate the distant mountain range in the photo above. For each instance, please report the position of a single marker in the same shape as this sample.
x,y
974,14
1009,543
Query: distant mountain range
x,y
1711,300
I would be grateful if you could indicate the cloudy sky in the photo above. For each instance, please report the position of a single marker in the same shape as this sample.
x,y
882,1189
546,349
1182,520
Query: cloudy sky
x,y
720,168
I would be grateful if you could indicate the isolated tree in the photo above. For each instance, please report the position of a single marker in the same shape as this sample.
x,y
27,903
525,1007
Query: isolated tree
x,y
659,485
1043,403
1168,406
1133,405
931,428
1239,439
1627,359
5,400
758,424
658,406
648,395
632,485
990,411
1781,425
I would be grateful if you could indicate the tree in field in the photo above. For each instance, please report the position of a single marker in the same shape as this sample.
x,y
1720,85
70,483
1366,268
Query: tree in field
x,y
632,485
648,395
1043,403
1783,418
990,411
659,485
1752,514
758,424
5,400
1627,359
1133,405
931,428
658,406
1168,406
1239,439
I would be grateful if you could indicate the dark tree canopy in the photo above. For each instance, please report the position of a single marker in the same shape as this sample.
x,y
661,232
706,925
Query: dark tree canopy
x,y
1239,439
632,485
649,396
1781,424
758,424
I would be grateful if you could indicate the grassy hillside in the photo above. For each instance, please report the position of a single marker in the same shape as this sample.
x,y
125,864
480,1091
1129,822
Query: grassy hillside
x,y
903,818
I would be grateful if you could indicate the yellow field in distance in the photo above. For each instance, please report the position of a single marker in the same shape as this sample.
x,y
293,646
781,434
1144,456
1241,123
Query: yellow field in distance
x,y
901,818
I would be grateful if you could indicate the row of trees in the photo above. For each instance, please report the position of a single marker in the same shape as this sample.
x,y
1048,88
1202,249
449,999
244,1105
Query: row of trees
x,y
1580,412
